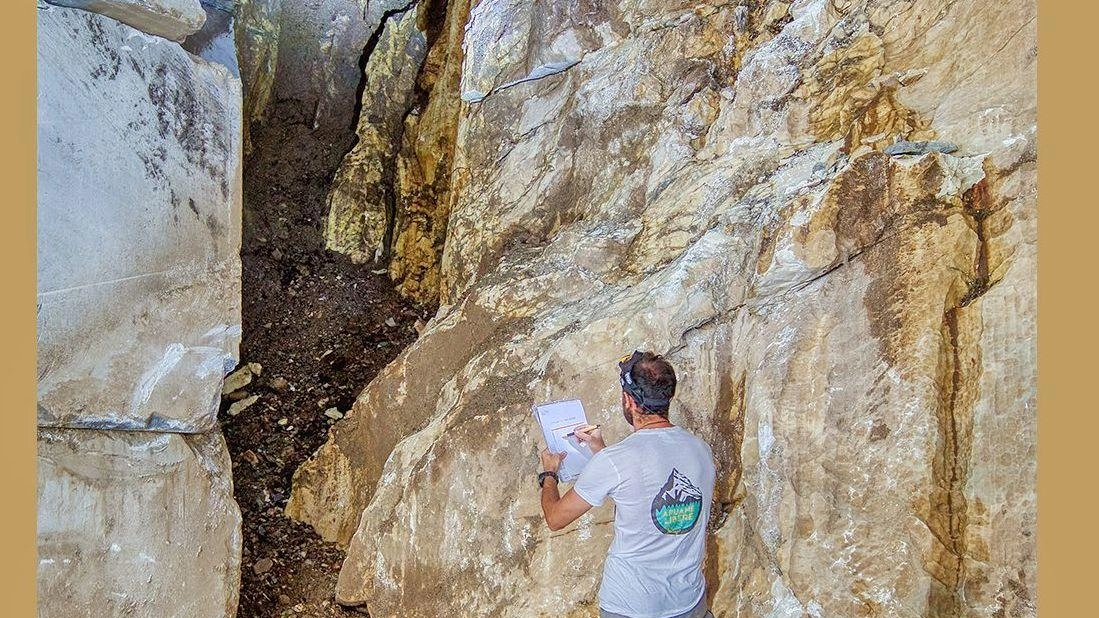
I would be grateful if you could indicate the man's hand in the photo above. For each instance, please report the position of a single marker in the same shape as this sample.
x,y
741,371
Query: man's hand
x,y
559,511
551,462
592,436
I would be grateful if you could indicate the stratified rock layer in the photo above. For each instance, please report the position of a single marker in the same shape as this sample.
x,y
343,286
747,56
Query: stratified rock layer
x,y
853,330
171,19
138,228
136,524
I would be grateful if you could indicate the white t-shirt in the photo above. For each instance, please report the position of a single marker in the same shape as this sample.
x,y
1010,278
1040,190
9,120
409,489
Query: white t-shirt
x,y
662,483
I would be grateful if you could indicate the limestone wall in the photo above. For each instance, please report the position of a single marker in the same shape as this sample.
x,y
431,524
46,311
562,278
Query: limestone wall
x,y
823,212
139,188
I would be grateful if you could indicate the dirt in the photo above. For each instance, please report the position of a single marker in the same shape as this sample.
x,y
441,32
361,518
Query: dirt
x,y
321,327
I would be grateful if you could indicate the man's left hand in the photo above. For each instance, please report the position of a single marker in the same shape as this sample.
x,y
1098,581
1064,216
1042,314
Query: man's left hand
x,y
551,461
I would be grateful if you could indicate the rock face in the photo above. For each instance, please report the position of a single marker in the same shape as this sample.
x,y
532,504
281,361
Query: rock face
x,y
139,173
362,202
390,199
139,228
853,330
257,42
171,19
136,523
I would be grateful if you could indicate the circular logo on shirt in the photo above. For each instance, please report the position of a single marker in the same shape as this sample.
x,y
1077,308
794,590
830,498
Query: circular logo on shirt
x,y
677,505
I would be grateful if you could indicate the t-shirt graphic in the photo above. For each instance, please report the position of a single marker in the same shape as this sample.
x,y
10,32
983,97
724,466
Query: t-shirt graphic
x,y
677,505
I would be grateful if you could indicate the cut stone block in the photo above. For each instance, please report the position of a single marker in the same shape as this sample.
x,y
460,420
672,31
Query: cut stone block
x,y
139,195
136,524
171,19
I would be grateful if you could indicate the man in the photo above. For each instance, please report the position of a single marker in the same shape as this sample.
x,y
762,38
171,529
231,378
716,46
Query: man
x,y
661,479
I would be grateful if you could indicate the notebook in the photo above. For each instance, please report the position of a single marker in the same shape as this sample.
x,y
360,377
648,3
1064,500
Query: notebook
x,y
558,418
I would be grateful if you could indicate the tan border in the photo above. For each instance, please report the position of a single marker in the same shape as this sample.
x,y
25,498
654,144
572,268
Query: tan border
x,y
17,361
1067,425
1068,242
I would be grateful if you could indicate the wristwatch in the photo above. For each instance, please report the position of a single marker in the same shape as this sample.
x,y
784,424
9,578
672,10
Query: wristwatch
x,y
542,477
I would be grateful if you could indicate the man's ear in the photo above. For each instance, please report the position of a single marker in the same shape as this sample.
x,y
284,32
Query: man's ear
x,y
629,403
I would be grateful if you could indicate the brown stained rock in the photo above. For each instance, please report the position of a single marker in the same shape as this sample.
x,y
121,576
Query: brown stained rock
x,y
853,331
426,157
854,100
390,200
362,200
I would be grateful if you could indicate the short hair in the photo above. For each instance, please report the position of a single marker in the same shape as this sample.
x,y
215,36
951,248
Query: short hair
x,y
656,377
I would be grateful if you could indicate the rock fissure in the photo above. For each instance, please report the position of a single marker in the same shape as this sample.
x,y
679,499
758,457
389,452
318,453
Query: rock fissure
x,y
540,72
319,324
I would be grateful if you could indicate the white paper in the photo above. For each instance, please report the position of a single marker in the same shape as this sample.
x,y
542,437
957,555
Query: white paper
x,y
557,419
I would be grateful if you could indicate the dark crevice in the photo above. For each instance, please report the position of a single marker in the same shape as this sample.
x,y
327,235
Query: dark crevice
x,y
390,183
321,327
728,441
976,201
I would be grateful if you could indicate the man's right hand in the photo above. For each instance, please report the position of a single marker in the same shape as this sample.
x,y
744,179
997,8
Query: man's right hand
x,y
592,436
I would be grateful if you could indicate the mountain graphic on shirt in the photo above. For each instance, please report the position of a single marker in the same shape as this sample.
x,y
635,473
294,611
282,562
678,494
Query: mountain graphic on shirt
x,y
677,505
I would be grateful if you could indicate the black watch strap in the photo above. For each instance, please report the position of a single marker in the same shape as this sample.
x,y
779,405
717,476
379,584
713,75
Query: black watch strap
x,y
543,475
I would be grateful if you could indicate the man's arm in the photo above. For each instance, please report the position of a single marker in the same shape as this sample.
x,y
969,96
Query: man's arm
x,y
559,511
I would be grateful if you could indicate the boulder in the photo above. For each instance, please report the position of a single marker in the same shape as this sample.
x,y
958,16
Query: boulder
x,y
136,524
171,19
853,331
138,228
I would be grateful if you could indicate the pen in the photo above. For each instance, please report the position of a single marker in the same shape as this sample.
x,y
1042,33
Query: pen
x,y
588,428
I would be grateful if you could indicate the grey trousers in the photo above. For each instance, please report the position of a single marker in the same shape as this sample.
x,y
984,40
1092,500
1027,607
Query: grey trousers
x,y
700,610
